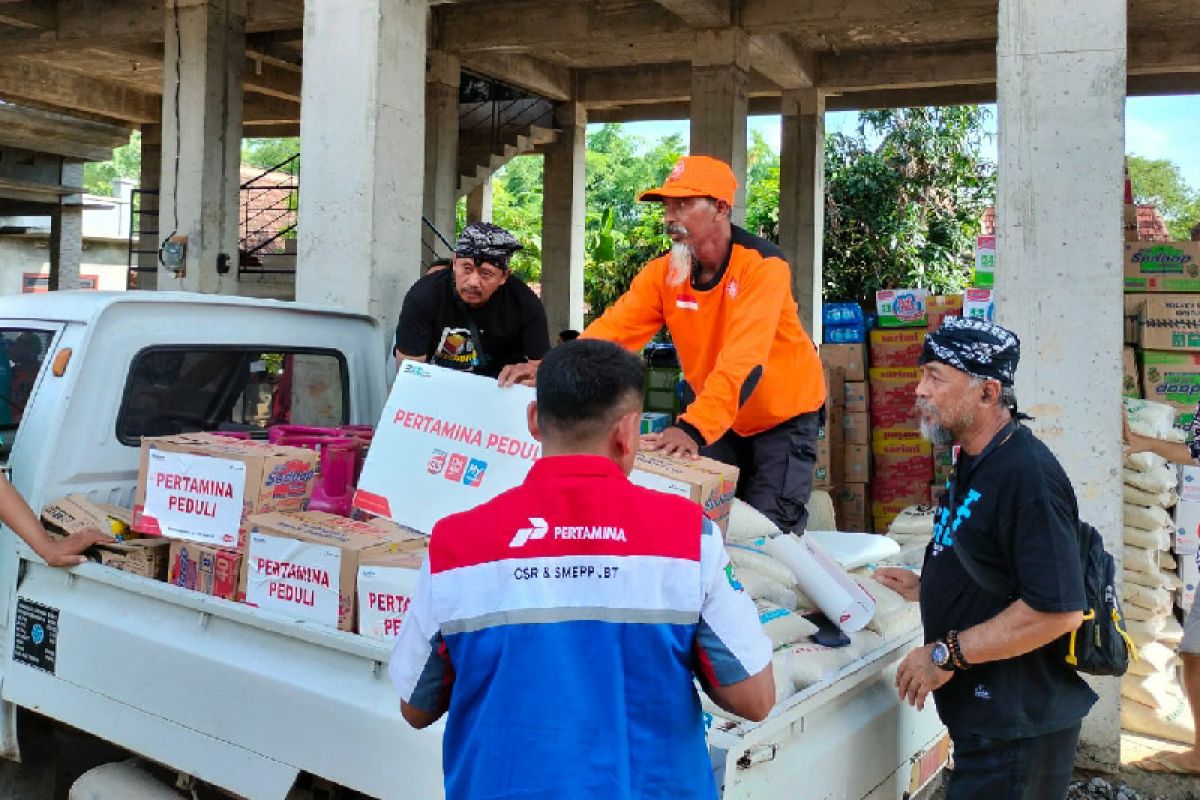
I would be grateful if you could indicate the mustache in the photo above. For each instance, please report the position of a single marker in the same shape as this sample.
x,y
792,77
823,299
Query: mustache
x,y
926,406
674,229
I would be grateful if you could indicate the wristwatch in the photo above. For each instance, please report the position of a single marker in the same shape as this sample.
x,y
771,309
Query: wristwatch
x,y
940,656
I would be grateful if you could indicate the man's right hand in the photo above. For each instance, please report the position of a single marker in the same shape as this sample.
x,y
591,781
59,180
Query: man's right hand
x,y
525,374
903,582
68,552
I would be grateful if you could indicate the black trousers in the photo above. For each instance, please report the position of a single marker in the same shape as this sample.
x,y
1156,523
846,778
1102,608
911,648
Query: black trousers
x,y
1037,768
776,468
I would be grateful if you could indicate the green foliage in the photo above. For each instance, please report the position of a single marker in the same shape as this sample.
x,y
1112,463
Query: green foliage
x,y
268,153
762,188
1160,183
126,163
517,206
904,199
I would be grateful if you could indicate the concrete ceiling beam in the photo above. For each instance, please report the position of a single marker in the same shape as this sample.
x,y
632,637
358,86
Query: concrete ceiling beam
x,y
701,13
778,58
25,80
901,20
28,14
62,135
524,25
261,109
525,72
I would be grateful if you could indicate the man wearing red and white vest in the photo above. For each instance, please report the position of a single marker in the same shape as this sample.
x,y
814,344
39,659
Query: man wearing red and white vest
x,y
561,624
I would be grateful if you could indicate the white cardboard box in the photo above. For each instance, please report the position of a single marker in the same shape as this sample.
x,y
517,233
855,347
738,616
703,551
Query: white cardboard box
x,y
1189,571
1189,483
447,442
387,583
1187,528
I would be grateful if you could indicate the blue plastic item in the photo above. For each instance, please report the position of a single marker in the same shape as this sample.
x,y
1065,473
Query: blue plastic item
x,y
845,335
836,315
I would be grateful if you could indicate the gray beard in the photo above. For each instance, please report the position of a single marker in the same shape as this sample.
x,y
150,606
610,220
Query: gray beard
x,y
680,264
936,434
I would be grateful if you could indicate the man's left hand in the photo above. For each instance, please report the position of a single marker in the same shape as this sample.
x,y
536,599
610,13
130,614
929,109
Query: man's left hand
x,y
513,374
672,442
918,676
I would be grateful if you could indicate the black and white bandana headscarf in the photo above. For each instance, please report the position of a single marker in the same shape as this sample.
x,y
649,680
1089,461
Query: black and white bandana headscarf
x,y
980,349
484,241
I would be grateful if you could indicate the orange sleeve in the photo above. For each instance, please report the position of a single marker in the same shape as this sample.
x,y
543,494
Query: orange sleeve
x,y
637,315
744,348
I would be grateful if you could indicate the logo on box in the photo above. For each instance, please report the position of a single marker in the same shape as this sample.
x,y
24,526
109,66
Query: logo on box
x,y
474,472
437,462
456,467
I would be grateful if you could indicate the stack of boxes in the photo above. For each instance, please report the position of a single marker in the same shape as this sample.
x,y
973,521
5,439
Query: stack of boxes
x,y
847,432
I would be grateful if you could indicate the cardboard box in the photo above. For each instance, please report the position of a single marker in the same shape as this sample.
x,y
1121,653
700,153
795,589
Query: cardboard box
x,y
710,483
386,585
200,487
835,386
940,306
890,497
985,262
829,468
1171,377
205,569
1169,322
655,422
858,397
943,464
850,357
446,442
1129,222
304,565
1189,483
902,308
1162,266
896,348
856,429
979,304
1189,573
894,397
1187,528
1131,385
1133,309
856,464
854,507
132,554
901,455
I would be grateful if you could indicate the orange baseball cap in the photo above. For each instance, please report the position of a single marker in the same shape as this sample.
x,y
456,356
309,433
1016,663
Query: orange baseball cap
x,y
696,176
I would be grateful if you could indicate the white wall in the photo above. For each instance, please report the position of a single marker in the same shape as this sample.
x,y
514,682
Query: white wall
x,y
106,259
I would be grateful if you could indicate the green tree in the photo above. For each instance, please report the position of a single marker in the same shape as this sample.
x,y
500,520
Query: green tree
x,y
517,206
268,153
762,188
1160,183
125,163
904,198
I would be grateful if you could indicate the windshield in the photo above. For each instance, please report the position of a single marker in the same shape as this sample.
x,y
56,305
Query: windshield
x,y
22,351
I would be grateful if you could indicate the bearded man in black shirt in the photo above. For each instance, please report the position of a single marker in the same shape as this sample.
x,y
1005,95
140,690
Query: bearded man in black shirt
x,y
1012,708
476,316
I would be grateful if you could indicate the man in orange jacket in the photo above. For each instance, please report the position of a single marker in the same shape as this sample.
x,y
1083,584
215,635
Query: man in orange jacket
x,y
726,298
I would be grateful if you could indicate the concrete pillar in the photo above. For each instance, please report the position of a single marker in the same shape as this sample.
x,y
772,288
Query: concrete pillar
x,y
150,224
205,46
563,221
479,203
360,209
1060,95
441,140
802,200
720,74
66,233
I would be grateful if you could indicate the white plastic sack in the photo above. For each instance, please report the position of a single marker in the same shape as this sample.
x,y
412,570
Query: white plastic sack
x,y
821,516
1156,599
1141,559
783,625
1167,561
1136,613
1157,691
1164,629
1159,539
1154,658
1173,723
1153,579
760,587
1154,481
747,523
1148,418
745,555
1144,462
913,521
809,663
1148,518
1137,497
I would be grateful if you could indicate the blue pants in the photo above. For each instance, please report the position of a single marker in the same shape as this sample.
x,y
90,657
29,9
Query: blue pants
x,y
1037,768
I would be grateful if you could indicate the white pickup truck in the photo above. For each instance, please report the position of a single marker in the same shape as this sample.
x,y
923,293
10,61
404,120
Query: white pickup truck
x,y
235,697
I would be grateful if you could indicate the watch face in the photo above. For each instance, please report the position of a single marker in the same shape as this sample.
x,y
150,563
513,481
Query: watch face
x,y
940,655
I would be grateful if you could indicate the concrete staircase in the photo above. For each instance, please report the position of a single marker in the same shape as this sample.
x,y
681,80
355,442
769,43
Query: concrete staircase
x,y
493,133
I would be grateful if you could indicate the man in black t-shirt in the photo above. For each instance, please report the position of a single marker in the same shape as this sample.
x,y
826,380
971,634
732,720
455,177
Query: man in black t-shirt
x,y
1012,707
475,316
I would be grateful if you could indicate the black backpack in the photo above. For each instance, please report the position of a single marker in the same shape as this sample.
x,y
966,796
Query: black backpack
x,y
1100,646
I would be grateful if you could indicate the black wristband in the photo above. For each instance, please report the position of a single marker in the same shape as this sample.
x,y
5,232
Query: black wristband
x,y
956,655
